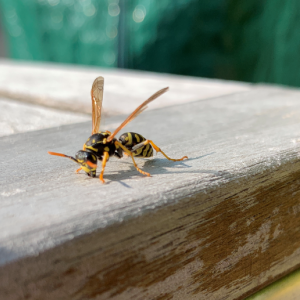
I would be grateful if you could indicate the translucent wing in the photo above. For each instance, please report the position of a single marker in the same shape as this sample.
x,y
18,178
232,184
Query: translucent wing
x,y
139,110
97,97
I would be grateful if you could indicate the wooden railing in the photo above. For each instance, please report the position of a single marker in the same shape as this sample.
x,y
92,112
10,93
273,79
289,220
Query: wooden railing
x,y
221,225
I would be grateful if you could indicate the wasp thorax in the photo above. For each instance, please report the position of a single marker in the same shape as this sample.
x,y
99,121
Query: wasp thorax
x,y
98,144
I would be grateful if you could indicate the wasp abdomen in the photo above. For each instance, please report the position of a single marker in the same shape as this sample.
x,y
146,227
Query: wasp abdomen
x,y
130,139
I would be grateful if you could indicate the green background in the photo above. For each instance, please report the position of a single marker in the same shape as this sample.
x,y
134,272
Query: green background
x,y
249,40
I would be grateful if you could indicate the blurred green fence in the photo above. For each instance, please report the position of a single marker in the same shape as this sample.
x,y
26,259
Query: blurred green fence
x,y
176,36
264,40
250,40
61,31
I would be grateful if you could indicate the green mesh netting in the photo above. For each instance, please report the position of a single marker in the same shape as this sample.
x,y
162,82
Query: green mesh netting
x,y
264,40
175,36
61,31
182,37
250,40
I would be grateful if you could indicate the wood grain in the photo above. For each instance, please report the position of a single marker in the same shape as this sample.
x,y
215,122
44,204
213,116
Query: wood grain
x,y
196,249
221,225
67,87
16,117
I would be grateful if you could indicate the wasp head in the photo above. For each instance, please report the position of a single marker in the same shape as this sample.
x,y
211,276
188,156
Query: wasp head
x,y
86,159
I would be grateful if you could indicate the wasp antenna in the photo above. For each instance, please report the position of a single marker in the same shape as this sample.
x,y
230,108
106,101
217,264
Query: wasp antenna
x,y
63,155
57,154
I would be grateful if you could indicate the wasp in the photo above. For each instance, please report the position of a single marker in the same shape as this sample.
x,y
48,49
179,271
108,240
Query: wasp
x,y
102,144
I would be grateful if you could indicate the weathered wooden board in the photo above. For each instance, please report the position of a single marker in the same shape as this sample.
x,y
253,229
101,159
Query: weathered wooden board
x,y
43,90
69,87
220,225
16,117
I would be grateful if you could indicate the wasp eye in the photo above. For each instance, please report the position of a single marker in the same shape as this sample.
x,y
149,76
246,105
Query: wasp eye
x,y
81,155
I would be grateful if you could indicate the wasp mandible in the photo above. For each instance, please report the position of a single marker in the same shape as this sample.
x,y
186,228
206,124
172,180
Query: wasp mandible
x,y
103,144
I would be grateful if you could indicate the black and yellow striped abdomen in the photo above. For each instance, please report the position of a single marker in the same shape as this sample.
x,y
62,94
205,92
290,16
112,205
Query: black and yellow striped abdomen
x,y
130,139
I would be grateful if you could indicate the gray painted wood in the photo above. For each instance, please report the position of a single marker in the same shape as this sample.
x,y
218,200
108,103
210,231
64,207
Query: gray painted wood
x,y
68,87
17,117
58,224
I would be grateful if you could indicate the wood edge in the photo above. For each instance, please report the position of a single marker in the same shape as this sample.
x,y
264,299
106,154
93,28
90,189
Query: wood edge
x,y
284,278
45,102
180,248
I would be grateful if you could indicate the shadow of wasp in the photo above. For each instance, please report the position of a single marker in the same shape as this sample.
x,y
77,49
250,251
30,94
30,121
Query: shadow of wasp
x,y
103,144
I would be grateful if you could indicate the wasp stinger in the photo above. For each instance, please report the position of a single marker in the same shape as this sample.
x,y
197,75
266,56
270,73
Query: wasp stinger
x,y
103,144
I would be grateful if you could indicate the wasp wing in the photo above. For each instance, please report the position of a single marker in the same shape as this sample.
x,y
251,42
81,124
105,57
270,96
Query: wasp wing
x,y
97,98
135,113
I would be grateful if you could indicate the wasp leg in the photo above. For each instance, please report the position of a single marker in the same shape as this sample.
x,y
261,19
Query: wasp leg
x,y
157,149
130,154
104,160
78,170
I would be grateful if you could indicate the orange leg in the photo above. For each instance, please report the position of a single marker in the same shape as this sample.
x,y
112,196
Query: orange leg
x,y
130,154
104,160
157,149
78,170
